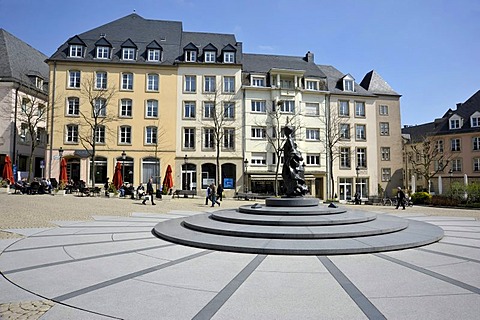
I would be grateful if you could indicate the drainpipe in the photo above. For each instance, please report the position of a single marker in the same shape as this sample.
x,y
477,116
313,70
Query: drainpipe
x,y
52,106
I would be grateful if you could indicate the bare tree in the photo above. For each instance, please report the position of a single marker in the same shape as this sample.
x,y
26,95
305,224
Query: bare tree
x,y
428,157
218,115
93,120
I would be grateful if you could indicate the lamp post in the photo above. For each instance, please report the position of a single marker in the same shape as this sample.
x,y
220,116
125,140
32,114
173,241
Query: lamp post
x,y
450,184
185,159
124,155
60,154
357,169
245,178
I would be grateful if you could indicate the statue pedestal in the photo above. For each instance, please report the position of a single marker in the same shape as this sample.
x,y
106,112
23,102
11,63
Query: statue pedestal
x,y
291,202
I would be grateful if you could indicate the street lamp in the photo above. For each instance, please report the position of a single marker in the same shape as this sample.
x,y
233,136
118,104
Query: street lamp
x,y
60,154
450,172
245,178
124,156
357,169
185,159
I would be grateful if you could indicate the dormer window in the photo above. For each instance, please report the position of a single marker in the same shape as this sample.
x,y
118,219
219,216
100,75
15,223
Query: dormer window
x,y
128,54
229,57
311,85
210,56
455,122
258,81
103,53
153,55
348,85
190,56
76,51
475,120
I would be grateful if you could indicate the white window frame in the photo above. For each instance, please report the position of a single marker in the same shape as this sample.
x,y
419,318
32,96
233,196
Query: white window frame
x,y
74,79
100,107
229,110
127,81
126,108
439,146
128,54
76,51
151,108
313,159
189,109
209,84
229,57
229,138
360,132
151,135
287,106
343,108
383,110
258,81
208,109
361,157
348,85
476,143
455,144
476,164
101,80
311,85
454,124
125,135
153,80
385,153
103,52
190,55
189,138
154,55
190,84
210,57
228,84
360,109
71,133
208,142
258,133
100,134
345,158
384,128
312,135
345,131
386,174
73,106
258,106
258,159
312,109
475,121
456,165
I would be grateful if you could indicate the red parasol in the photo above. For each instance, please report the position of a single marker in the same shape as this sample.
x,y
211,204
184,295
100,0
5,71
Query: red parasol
x,y
117,176
63,171
168,180
7,170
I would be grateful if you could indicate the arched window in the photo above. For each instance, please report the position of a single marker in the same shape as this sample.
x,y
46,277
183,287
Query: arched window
x,y
229,177
151,168
209,172
100,169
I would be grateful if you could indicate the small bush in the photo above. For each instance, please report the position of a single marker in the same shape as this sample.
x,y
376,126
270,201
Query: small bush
x,y
421,198
444,201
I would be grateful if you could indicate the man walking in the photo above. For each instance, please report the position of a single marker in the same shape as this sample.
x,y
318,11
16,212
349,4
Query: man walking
x,y
213,195
149,191
400,198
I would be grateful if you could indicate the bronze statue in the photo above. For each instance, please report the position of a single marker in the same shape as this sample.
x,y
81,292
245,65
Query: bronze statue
x,y
293,171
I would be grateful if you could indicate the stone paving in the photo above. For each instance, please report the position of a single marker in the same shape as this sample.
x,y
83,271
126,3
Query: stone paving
x,y
67,257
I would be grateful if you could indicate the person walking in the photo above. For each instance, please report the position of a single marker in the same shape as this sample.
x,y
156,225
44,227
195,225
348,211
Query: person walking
x,y
209,194
220,192
149,191
400,198
213,193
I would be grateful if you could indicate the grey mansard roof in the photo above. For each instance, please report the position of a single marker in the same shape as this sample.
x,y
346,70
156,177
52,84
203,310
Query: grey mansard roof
x,y
374,83
19,60
334,78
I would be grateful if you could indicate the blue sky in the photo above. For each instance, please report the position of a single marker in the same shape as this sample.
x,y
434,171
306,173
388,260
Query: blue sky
x,y
427,50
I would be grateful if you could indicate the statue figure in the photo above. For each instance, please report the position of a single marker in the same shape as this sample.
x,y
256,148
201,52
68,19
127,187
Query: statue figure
x,y
293,171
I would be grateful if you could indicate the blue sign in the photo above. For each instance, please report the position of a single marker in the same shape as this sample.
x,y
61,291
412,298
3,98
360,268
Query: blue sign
x,y
14,169
227,183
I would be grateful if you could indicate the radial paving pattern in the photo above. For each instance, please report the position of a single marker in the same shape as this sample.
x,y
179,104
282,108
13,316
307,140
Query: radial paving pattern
x,y
297,228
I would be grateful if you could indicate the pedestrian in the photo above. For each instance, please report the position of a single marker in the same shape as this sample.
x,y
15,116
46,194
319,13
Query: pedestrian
x,y
106,186
220,192
208,195
213,196
149,192
400,198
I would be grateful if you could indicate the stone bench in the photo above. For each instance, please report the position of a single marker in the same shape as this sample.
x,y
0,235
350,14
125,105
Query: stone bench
x,y
184,193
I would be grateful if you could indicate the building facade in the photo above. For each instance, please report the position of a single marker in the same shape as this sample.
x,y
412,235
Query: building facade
x,y
23,105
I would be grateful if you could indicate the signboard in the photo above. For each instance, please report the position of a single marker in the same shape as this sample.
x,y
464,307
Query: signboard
x,y
227,183
42,164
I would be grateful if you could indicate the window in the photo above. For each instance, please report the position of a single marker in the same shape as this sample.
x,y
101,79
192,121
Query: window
x,y
208,138
360,132
384,128
229,138
190,55
476,143
475,121
359,109
286,83
344,157
439,146
127,81
76,51
210,56
344,131
74,79
100,108
189,109
125,135
42,136
190,84
151,109
40,111
209,84
383,110
362,157
313,135
208,110
153,55
258,81
348,85
455,144
229,57
385,152
312,109
100,134
457,165
311,85
189,138
259,106
103,52
71,133
229,84
152,82
151,135
258,158
73,108
128,54
343,109
150,168
287,106
25,103
476,164
455,123
23,132
258,133
125,108
386,174
313,159
101,80
229,110
438,165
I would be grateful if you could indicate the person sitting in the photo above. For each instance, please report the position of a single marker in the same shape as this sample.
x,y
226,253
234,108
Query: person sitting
x,y
140,191
122,191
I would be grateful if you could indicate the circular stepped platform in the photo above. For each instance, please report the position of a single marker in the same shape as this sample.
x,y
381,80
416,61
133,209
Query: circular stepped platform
x,y
297,230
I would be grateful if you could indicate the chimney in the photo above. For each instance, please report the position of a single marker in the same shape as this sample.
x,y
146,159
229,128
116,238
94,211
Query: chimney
x,y
309,57
459,105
